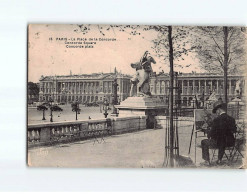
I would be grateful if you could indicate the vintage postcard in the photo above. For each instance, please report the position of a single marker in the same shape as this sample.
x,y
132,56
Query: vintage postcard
x,y
136,96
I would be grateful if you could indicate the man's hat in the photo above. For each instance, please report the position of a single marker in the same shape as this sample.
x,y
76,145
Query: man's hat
x,y
219,104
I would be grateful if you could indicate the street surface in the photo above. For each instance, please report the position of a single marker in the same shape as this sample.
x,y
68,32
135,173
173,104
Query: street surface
x,y
131,150
35,116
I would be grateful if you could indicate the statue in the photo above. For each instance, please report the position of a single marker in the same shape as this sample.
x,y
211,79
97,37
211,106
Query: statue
x,y
142,77
238,89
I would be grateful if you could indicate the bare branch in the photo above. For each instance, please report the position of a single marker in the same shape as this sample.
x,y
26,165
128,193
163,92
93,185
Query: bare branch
x,y
218,46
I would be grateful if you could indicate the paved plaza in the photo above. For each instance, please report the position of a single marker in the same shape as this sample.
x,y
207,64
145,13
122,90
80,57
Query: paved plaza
x,y
35,116
143,149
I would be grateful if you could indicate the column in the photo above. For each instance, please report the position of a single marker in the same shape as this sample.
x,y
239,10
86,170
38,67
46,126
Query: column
x,y
193,83
188,85
83,87
230,86
182,87
217,86
199,86
155,87
93,87
211,85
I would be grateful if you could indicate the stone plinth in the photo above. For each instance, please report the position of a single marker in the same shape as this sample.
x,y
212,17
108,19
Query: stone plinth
x,y
142,106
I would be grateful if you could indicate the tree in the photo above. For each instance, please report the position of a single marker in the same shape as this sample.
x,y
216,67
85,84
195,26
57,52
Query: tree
x,y
180,41
220,50
33,91
33,88
43,108
75,108
172,44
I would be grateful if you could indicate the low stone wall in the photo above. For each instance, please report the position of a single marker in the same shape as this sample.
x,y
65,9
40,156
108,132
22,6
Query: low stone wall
x,y
50,133
127,124
182,121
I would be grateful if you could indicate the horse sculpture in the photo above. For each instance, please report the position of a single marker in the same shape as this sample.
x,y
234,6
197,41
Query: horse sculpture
x,y
142,77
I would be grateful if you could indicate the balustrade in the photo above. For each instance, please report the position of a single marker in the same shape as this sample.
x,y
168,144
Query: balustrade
x,y
33,135
50,133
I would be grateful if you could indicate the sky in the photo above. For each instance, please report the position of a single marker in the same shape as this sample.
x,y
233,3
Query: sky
x,y
48,54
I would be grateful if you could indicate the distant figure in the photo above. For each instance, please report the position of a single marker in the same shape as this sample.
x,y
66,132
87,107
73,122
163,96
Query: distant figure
x,y
89,117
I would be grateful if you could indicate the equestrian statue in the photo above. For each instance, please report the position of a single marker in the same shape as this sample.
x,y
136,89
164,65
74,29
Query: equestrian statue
x,y
140,82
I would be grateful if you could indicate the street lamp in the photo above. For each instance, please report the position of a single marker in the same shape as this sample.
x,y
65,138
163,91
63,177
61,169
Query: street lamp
x,y
76,108
51,100
106,104
43,109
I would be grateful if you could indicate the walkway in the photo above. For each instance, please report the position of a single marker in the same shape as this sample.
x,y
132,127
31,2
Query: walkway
x,y
132,150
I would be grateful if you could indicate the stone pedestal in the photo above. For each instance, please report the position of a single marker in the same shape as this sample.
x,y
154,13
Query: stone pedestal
x,y
143,106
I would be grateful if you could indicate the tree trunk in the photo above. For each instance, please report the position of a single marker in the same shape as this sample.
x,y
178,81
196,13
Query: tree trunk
x,y
171,95
225,29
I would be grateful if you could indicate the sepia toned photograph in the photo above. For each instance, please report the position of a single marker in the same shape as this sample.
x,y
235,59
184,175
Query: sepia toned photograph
x,y
136,96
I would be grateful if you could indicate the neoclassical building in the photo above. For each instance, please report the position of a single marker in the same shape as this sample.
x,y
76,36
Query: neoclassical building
x,y
200,84
84,87
97,86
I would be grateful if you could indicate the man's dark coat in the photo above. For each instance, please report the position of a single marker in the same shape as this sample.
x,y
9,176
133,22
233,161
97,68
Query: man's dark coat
x,y
222,131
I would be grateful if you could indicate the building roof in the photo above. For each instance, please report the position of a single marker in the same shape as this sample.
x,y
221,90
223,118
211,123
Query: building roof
x,y
200,75
102,76
93,76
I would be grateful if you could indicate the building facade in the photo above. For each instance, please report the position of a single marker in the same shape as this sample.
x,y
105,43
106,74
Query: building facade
x,y
201,85
96,87
84,88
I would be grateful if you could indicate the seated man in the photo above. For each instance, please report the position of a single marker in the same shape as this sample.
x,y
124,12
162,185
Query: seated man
x,y
221,133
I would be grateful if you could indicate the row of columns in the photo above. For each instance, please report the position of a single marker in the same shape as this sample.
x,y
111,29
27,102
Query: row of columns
x,y
205,86
72,87
158,86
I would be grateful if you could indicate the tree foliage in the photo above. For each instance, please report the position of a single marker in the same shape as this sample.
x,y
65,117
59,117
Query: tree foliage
x,y
209,44
181,39
33,88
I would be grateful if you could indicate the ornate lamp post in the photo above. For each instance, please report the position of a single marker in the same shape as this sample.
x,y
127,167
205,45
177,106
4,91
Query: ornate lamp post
x,y
106,104
77,110
51,100
43,109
